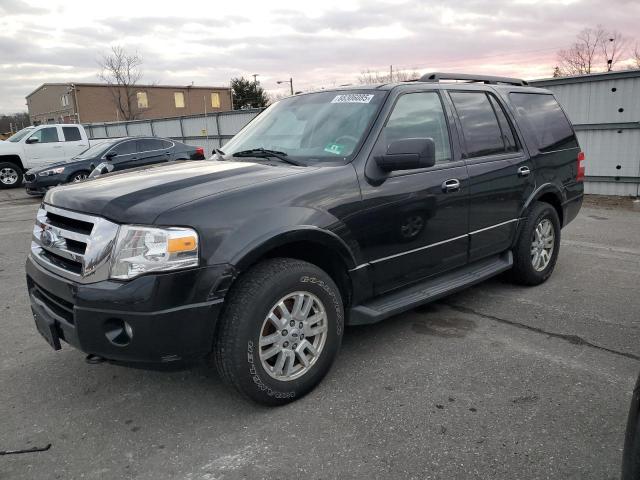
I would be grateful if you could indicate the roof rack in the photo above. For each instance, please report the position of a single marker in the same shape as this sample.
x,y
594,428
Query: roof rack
x,y
439,76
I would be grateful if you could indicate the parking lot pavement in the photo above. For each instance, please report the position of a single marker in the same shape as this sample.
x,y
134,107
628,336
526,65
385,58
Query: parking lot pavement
x,y
495,382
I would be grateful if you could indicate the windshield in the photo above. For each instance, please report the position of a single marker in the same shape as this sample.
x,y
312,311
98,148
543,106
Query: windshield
x,y
94,150
16,137
324,126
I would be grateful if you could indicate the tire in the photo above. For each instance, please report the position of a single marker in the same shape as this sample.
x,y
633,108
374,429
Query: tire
x,y
524,271
10,175
631,452
253,297
78,176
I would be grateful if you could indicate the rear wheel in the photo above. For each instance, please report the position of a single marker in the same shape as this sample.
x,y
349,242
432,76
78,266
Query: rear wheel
x,y
537,248
10,175
280,331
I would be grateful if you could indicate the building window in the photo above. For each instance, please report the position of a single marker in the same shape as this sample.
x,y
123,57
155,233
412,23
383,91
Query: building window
x,y
178,97
215,100
143,102
64,100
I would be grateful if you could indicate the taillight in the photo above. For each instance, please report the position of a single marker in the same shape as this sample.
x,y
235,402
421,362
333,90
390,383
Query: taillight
x,y
200,151
580,174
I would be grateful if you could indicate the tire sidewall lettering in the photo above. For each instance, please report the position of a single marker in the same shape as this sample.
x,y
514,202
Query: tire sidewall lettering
x,y
255,375
334,299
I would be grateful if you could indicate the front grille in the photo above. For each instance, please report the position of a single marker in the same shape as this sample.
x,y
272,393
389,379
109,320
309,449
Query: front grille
x,y
29,177
74,245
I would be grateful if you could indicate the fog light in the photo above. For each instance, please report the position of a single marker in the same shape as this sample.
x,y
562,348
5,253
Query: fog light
x,y
118,332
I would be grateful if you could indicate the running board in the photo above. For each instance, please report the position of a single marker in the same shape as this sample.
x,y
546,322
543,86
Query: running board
x,y
399,301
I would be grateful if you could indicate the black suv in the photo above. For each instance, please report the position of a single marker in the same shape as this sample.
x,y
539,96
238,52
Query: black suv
x,y
330,208
109,155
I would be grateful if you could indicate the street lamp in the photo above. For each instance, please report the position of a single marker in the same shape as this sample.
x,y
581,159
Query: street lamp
x,y
290,82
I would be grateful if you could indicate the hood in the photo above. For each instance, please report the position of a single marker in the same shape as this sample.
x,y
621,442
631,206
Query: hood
x,y
140,196
9,147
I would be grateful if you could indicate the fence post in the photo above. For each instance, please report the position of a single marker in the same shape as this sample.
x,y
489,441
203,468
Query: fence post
x,y
126,128
181,130
218,130
153,134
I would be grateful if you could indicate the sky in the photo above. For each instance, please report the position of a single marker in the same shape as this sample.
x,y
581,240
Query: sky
x,y
317,43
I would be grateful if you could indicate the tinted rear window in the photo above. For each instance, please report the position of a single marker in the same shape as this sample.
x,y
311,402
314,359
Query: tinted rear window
x,y
547,124
71,134
149,144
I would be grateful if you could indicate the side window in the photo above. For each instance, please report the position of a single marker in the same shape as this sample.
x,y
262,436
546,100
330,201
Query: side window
x,y
480,127
125,148
507,132
419,115
545,121
148,144
71,134
215,100
166,144
46,135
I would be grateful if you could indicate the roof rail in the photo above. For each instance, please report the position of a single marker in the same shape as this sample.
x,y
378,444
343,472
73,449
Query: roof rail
x,y
438,76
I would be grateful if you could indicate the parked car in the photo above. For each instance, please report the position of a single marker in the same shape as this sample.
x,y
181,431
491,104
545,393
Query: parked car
x,y
631,453
260,256
107,156
37,147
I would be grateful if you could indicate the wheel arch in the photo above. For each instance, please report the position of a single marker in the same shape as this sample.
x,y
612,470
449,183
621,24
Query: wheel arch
x,y
15,159
550,194
311,244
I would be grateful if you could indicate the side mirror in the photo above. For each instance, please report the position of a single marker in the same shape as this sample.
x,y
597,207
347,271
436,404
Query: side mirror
x,y
408,154
32,140
110,155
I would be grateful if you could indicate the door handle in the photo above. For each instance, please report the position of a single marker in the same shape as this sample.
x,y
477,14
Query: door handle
x,y
451,185
524,171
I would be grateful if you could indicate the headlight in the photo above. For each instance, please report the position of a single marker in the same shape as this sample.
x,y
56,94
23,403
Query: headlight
x,y
141,250
51,171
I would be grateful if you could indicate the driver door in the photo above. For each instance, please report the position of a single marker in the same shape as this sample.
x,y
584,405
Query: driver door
x,y
44,147
412,225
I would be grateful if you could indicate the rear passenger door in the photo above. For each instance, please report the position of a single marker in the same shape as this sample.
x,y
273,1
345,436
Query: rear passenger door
x,y
73,141
500,172
153,150
126,154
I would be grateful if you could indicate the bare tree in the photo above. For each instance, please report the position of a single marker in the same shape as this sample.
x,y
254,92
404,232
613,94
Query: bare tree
x,y
636,55
612,46
595,49
121,71
369,77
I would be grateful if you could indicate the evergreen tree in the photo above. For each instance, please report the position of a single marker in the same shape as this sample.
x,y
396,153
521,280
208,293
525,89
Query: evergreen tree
x,y
248,94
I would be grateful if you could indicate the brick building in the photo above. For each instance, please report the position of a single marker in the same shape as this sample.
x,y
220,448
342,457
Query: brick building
x,y
94,102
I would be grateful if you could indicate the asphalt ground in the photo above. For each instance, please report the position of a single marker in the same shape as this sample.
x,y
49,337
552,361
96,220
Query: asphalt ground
x,y
497,382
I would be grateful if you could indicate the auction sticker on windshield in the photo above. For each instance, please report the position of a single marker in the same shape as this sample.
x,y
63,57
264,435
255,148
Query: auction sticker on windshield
x,y
353,98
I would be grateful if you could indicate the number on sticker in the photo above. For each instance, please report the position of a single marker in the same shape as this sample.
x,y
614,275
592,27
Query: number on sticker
x,y
353,98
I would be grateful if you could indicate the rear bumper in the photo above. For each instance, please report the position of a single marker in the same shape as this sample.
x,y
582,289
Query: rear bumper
x,y
170,317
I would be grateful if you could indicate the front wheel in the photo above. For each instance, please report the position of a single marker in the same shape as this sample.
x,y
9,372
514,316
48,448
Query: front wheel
x,y
79,176
10,175
536,251
280,331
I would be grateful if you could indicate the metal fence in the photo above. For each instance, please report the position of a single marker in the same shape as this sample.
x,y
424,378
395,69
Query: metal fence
x,y
605,111
208,131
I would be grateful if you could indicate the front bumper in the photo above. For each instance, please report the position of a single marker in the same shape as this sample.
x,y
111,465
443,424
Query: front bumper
x,y
171,316
37,185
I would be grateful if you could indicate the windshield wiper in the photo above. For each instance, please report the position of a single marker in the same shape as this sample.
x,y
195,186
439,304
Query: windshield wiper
x,y
264,153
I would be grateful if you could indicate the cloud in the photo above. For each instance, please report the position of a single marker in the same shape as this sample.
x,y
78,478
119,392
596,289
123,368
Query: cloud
x,y
317,43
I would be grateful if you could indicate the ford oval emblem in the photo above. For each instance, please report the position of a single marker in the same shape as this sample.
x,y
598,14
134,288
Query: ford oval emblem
x,y
48,238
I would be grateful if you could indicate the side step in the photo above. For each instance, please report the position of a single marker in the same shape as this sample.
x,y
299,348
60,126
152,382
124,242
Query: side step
x,y
399,301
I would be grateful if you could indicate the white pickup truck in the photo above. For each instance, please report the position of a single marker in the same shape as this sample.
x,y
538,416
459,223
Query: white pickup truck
x,y
38,146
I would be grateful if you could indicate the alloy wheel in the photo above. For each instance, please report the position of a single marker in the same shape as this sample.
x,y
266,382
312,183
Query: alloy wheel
x,y
8,176
542,245
293,336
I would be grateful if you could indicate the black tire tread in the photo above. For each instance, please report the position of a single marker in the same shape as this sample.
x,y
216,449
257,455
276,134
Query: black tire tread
x,y
238,300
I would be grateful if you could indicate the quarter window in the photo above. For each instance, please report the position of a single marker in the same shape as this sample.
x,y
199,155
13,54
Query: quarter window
x,y
178,97
215,100
480,127
143,102
46,135
71,134
419,115
545,121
